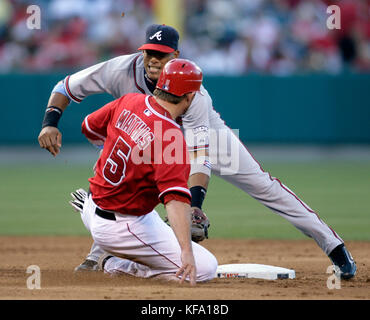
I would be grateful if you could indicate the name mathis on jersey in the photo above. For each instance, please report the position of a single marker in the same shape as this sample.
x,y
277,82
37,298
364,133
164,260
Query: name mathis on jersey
x,y
136,128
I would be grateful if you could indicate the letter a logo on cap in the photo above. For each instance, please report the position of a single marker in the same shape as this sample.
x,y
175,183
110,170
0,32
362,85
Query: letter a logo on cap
x,y
157,35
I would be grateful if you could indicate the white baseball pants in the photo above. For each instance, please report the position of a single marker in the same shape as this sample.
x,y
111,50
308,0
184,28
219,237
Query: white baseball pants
x,y
143,246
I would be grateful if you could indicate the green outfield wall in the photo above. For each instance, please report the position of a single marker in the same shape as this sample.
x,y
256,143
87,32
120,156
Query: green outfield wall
x,y
266,109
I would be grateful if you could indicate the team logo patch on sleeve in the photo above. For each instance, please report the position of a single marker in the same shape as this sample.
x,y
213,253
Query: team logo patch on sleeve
x,y
207,164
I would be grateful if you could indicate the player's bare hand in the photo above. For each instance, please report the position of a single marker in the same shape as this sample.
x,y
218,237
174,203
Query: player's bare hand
x,y
188,268
50,139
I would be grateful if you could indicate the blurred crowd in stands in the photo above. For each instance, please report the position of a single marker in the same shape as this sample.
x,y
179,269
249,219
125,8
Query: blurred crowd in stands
x,y
278,37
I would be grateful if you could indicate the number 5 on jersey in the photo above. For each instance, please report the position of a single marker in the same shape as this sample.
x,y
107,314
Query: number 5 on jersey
x,y
115,167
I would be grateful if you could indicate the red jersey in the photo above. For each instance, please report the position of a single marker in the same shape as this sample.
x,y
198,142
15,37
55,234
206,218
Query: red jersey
x,y
144,155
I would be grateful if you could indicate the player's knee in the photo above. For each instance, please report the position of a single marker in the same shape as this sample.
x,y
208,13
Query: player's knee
x,y
265,186
206,270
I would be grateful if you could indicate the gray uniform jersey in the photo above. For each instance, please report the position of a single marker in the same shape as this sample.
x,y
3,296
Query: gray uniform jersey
x,y
125,74
204,128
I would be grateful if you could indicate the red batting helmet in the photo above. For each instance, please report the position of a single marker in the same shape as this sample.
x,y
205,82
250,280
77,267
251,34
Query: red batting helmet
x,y
180,76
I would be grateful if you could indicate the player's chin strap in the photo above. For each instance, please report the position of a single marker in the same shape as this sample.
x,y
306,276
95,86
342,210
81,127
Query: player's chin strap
x,y
79,196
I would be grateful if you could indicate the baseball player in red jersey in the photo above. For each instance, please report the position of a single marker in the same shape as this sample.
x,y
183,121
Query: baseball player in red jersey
x,y
144,162
203,128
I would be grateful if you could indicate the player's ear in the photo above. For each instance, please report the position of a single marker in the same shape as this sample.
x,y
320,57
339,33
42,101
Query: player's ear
x,y
176,54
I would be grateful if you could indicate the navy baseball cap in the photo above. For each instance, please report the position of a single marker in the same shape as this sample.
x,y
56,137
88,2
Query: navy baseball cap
x,y
160,37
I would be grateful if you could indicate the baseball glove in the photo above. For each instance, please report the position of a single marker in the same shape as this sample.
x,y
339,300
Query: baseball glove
x,y
79,197
199,225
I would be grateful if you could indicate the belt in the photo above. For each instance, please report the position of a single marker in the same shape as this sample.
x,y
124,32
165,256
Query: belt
x,y
105,214
102,213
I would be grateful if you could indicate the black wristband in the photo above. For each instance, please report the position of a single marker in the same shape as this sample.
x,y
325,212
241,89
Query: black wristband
x,y
52,117
198,194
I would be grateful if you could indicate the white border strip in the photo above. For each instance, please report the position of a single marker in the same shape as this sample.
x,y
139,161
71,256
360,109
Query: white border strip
x,y
175,188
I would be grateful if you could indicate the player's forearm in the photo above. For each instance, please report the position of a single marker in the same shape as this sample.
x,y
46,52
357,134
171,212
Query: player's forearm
x,y
179,217
200,169
50,137
198,179
58,100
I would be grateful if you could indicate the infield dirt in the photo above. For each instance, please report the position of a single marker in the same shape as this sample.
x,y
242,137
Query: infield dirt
x,y
58,256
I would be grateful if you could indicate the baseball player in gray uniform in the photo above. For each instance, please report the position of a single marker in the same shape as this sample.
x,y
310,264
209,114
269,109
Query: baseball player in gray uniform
x,y
213,147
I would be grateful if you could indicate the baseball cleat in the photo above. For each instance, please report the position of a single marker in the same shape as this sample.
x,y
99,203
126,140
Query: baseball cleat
x,y
342,259
87,265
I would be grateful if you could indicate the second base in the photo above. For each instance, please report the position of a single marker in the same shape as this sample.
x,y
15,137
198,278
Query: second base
x,y
257,271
